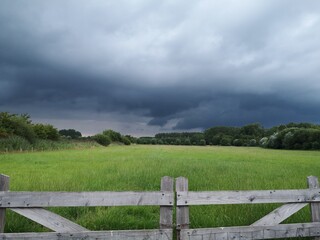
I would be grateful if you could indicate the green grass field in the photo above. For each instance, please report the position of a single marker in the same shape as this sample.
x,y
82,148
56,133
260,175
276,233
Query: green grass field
x,y
141,167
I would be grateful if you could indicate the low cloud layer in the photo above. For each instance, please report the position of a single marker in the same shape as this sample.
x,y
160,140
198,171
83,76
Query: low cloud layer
x,y
144,66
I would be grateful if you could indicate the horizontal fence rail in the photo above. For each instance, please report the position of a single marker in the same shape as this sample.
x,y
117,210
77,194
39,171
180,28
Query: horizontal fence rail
x,y
93,235
248,197
88,199
248,232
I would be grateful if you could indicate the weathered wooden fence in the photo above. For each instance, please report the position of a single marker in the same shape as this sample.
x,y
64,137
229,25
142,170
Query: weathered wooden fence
x,y
31,205
268,227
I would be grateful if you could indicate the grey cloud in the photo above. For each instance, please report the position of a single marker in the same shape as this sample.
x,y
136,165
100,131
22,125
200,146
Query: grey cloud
x,y
198,63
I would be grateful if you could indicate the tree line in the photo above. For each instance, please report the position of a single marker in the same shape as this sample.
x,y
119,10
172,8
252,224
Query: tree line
x,y
299,136
18,132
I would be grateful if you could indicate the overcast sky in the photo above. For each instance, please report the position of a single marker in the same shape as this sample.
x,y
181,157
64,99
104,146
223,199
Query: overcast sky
x,y
144,66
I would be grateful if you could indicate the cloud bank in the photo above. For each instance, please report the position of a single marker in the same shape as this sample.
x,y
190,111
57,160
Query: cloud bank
x,y
148,66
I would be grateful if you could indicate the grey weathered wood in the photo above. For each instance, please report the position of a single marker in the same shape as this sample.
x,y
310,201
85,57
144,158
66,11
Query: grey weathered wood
x,y
250,232
280,214
166,211
241,197
49,219
314,207
69,199
4,186
182,211
165,234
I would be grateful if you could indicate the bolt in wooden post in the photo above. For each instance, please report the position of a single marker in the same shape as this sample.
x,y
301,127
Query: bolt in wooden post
x,y
182,211
4,186
315,207
166,211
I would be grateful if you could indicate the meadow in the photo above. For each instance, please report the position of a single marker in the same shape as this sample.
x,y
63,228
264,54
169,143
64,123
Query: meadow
x,y
140,168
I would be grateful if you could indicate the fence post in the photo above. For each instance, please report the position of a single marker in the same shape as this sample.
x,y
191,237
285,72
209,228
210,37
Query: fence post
x,y
166,211
182,212
4,186
315,207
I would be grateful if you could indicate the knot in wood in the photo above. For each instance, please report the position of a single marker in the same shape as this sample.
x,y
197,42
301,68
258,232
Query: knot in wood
x,y
251,198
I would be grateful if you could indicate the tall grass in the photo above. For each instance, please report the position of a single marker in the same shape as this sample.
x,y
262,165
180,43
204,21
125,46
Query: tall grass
x,y
17,143
140,168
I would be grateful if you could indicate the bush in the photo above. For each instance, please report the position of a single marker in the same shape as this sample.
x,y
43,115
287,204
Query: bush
x,y
46,131
125,140
19,125
102,139
202,142
113,135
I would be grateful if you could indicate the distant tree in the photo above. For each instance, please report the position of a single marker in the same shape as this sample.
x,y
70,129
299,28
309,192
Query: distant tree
x,y
114,136
125,140
177,141
226,140
202,142
20,125
214,134
237,142
46,131
253,130
131,138
187,141
72,133
102,139
252,142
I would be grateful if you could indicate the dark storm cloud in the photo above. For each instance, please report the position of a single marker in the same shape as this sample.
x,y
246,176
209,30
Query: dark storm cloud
x,y
171,64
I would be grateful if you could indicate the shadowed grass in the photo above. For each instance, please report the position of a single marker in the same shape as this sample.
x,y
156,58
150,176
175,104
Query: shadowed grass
x,y
140,168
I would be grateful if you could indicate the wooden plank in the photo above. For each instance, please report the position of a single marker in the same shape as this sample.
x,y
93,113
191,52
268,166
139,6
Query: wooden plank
x,y
4,186
256,232
75,199
182,213
49,219
280,214
166,211
248,197
164,234
313,183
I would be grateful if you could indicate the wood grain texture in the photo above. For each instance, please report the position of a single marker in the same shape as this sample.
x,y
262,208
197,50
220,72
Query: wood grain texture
x,y
166,212
313,183
164,234
182,213
4,186
77,199
280,214
248,197
49,219
253,232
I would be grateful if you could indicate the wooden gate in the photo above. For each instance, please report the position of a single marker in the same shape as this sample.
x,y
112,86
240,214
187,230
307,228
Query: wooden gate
x,y
268,227
32,204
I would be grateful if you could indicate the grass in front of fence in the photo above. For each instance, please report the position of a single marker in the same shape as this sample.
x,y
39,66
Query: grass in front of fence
x,y
140,168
